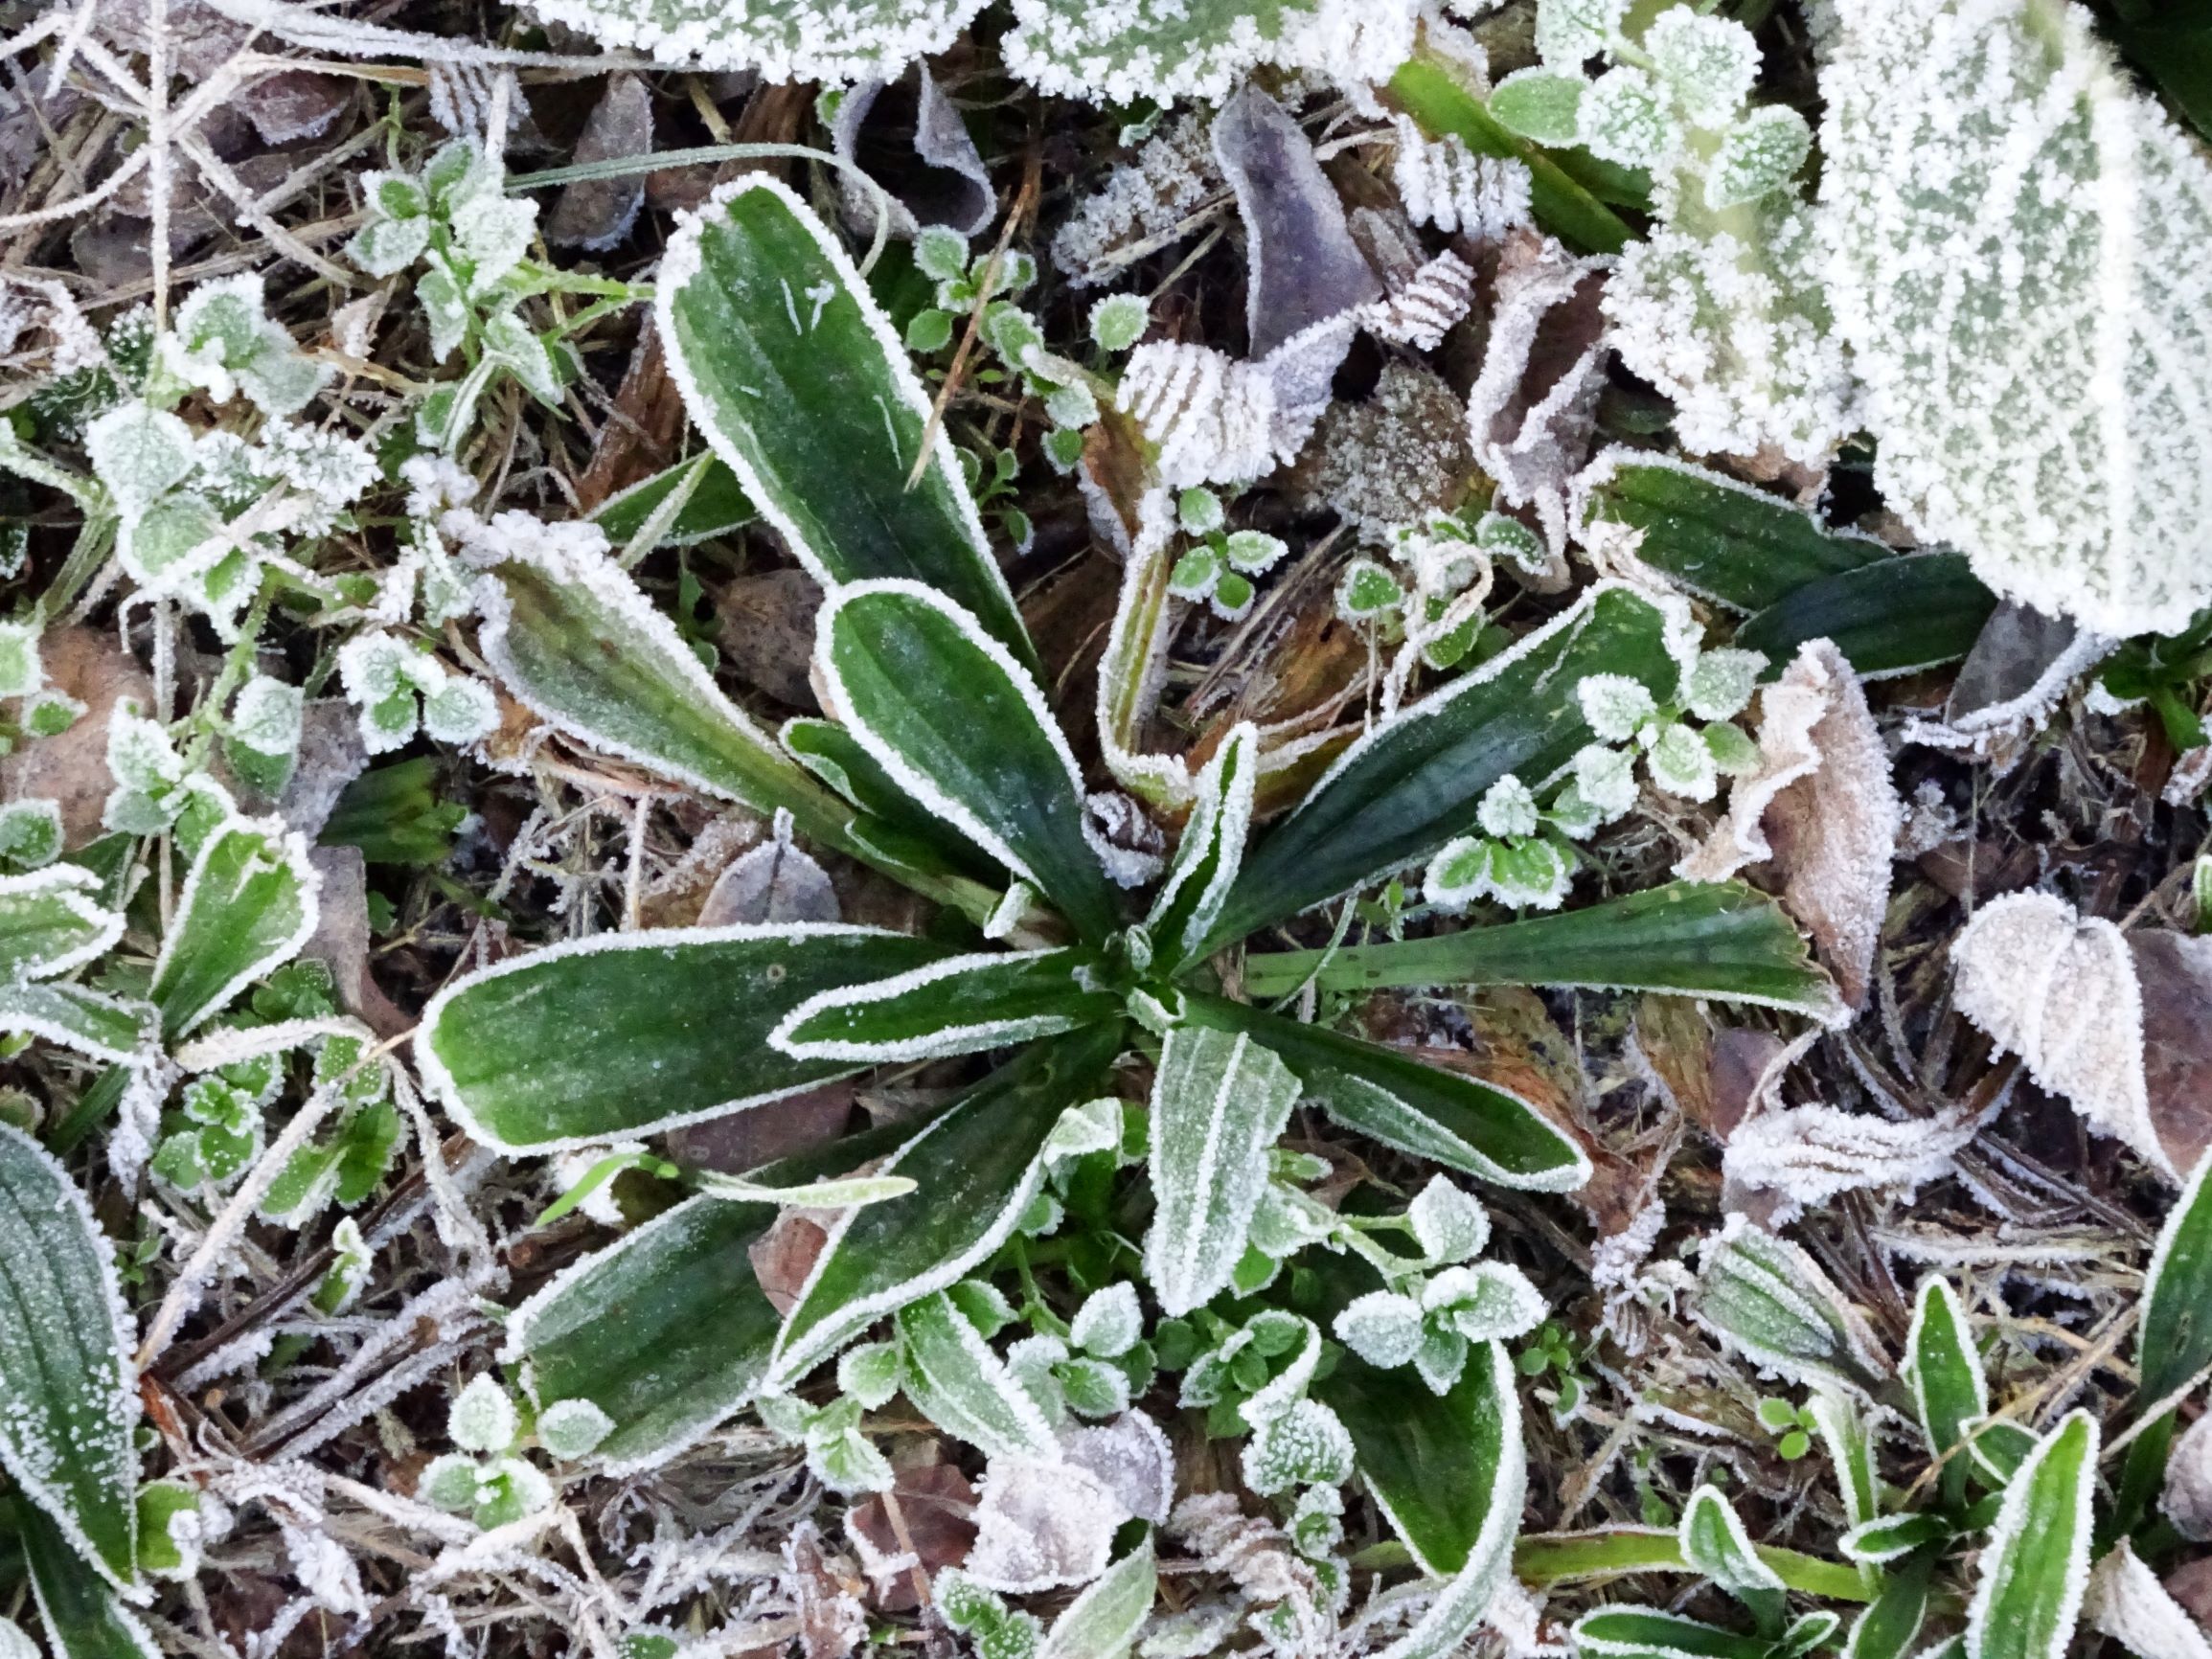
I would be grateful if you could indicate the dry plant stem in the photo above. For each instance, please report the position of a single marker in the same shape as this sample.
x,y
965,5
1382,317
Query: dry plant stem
x,y
183,1293
1032,182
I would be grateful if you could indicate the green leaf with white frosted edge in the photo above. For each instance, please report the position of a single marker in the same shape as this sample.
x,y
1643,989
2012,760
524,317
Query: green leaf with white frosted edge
x,y
976,1167
1103,1621
2176,1341
51,921
1647,1634
1450,1119
1211,852
1945,1372
1449,1474
960,1006
1715,1543
1769,1299
963,729
65,1368
958,1383
579,643
246,907
630,1033
117,1029
2035,1569
1220,1101
792,374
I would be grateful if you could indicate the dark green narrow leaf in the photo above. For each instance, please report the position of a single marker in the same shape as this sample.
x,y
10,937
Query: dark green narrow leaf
x,y
666,1330
952,1377
959,1006
792,374
890,817
1410,786
2176,1344
975,1170
717,506
1646,1633
626,1034
963,729
82,1615
1693,938
52,920
1945,1372
1886,618
68,1390
1717,537
1210,853
1887,1628
2035,1569
1423,1110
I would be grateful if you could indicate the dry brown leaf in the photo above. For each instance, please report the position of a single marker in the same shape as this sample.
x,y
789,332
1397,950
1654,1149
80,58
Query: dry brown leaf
x,y
1533,410
71,768
2062,992
1822,807
766,628
935,1505
596,214
2174,976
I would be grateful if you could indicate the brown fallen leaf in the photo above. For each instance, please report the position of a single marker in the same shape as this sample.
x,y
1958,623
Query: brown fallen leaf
x,y
1821,806
936,1505
741,1141
596,214
2173,972
71,768
784,1256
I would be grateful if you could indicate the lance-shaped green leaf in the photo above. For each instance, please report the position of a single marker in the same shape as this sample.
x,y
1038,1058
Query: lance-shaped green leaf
x,y
579,643
115,1028
963,729
1103,1621
1220,1101
84,1617
2035,1569
2176,1344
956,1007
666,1330
1412,784
249,905
977,1168
811,1195
795,377
1719,939
65,1371
709,502
1449,1472
1943,1368
1423,1110
1721,538
889,818
1843,1431
1889,1537
1889,1627
628,1034
1767,1298
1647,1634
1998,1446
1890,617
1210,853
52,920
958,1383
1715,1543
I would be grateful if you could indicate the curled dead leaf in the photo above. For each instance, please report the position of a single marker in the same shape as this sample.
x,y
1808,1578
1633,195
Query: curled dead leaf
x,y
1821,806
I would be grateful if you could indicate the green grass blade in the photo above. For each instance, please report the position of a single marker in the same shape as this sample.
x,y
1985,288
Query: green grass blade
x,y
1697,939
